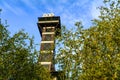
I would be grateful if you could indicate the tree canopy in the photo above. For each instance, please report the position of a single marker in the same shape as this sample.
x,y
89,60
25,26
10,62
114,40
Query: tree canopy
x,y
93,53
18,57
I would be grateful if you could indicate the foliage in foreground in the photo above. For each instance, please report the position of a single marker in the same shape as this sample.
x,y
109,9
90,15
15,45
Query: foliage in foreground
x,y
18,57
94,53
85,54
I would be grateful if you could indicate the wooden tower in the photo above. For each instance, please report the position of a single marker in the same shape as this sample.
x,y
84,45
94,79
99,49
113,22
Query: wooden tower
x,y
49,27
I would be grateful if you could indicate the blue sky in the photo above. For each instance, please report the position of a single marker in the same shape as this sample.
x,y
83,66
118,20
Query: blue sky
x,y
23,14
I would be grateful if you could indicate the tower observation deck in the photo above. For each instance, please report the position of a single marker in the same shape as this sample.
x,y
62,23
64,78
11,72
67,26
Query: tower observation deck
x,y
49,27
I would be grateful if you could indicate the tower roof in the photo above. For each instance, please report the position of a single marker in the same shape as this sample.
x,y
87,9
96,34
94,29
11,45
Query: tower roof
x,y
47,21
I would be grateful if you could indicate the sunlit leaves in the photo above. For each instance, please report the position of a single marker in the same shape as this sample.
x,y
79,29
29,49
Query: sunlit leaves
x,y
18,57
93,54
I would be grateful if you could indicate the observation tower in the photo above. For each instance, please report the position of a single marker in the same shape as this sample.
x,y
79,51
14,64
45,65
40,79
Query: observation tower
x,y
49,27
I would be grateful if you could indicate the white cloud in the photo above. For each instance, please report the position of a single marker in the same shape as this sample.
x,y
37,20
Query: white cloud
x,y
30,4
10,8
94,10
64,1
73,13
80,3
14,9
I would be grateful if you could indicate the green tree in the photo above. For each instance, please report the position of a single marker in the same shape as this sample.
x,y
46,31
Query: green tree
x,y
101,46
94,53
69,53
18,57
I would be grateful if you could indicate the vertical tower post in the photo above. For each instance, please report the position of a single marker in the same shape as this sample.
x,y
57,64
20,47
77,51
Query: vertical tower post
x,y
48,25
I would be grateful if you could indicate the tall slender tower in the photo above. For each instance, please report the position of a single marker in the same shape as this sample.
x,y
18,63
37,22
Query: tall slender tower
x,y
49,27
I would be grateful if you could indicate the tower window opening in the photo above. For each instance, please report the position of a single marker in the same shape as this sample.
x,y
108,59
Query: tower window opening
x,y
48,37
